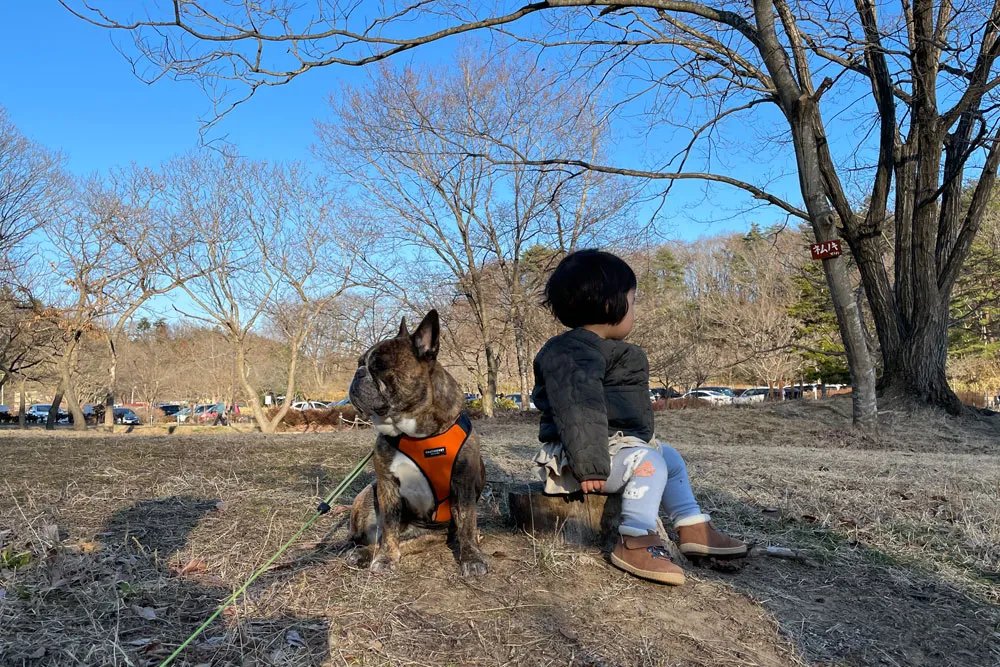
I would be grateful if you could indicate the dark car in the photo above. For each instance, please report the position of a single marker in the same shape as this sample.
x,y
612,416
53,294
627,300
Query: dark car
x,y
169,409
659,393
126,416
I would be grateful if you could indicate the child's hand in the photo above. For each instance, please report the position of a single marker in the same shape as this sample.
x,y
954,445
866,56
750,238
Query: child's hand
x,y
593,486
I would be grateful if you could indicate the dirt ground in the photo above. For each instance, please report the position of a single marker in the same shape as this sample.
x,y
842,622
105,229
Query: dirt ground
x,y
113,549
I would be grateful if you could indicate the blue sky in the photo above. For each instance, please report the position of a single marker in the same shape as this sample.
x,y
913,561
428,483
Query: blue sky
x,y
66,86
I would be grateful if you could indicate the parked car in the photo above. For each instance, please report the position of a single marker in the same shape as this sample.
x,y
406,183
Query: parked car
x,y
727,391
5,416
309,405
517,400
341,403
169,409
126,416
39,412
753,395
660,393
197,413
715,397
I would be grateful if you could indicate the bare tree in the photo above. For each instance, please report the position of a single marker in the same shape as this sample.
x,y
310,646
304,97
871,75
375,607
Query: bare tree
x,y
432,152
267,235
32,190
752,309
923,72
130,219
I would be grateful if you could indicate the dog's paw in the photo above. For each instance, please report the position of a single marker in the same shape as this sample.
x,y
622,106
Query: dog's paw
x,y
358,557
473,565
383,563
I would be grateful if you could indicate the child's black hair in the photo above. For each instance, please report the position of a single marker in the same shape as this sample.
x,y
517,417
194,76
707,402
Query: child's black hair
x,y
590,287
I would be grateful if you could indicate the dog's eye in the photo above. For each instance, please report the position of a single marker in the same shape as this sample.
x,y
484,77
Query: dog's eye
x,y
376,365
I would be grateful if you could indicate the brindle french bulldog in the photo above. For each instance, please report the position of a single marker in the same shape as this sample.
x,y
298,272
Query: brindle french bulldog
x,y
401,387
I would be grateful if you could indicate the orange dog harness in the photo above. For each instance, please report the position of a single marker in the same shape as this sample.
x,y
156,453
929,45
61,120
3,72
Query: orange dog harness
x,y
435,457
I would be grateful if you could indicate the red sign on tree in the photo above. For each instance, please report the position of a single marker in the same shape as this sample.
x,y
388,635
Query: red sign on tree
x,y
826,250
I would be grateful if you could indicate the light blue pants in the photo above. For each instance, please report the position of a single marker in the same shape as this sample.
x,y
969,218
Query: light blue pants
x,y
648,480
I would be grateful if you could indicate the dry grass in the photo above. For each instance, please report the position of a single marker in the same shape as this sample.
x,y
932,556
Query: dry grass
x,y
114,548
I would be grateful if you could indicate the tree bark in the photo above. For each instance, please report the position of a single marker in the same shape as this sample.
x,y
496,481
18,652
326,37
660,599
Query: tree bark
x,y
523,363
797,102
583,519
259,412
20,408
919,368
492,370
109,399
50,419
66,366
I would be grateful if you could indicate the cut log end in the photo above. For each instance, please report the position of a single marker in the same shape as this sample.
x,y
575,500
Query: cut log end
x,y
584,519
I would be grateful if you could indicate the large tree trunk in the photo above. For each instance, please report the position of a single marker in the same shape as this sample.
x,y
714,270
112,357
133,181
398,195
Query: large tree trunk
x,y
50,419
492,371
109,399
21,406
523,362
797,102
69,391
259,412
918,369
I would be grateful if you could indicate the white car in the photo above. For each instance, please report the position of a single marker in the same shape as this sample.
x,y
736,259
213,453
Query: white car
x,y
753,395
714,397
310,405
39,412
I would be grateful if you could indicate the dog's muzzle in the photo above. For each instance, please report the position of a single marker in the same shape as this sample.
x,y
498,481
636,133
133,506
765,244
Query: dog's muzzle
x,y
365,396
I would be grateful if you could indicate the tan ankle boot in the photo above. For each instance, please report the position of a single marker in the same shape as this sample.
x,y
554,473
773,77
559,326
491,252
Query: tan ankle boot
x,y
647,557
698,537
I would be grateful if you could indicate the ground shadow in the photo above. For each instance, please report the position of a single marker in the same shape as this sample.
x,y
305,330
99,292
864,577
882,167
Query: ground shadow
x,y
130,596
848,603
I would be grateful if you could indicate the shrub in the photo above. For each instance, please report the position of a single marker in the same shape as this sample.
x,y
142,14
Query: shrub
x,y
680,404
316,419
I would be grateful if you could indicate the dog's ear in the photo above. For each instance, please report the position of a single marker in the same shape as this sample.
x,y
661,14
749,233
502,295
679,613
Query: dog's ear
x,y
426,337
403,333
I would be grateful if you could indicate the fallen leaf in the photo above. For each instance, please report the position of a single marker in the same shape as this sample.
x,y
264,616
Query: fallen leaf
x,y
221,506
194,565
153,647
295,639
810,518
142,641
89,547
499,554
568,634
375,645
39,653
147,613
850,522
3,594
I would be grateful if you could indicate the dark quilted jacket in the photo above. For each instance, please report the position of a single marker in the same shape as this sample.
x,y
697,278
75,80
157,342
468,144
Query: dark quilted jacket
x,y
589,388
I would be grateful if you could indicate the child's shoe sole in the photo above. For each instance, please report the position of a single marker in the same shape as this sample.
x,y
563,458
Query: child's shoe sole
x,y
690,549
670,578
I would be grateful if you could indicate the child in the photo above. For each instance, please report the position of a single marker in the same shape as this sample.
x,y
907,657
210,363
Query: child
x,y
597,421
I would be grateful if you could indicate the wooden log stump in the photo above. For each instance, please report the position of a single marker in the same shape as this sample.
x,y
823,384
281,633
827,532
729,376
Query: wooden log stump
x,y
584,519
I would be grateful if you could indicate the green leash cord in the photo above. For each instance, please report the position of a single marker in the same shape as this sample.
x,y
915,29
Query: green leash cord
x,y
323,508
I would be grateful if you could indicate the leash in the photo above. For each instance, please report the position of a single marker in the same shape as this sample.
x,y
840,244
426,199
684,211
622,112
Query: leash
x,y
321,509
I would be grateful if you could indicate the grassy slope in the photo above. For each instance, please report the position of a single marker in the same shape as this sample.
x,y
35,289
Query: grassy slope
x,y
132,540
